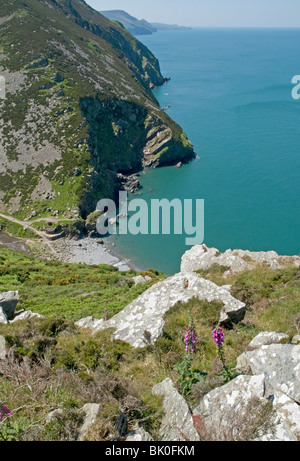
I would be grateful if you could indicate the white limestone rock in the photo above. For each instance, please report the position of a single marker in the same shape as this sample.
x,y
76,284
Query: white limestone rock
x,y
145,314
202,257
2,348
267,337
90,412
139,435
280,365
177,424
8,304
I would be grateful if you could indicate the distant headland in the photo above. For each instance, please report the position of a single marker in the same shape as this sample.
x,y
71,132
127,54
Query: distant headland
x,y
139,26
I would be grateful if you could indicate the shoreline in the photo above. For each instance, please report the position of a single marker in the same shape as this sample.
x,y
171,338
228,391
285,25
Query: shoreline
x,y
88,250
85,250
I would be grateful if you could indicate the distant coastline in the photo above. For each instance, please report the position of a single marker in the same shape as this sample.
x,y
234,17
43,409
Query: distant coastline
x,y
139,26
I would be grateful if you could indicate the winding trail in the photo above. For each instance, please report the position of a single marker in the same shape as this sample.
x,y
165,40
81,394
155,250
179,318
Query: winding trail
x,y
28,225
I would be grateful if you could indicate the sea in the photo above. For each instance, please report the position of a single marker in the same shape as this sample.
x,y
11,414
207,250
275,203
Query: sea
x,y
231,91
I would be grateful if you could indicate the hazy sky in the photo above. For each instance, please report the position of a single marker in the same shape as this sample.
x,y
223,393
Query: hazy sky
x,y
210,13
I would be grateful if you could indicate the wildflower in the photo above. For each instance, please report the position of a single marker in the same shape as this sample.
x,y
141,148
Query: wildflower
x,y
218,336
190,338
4,411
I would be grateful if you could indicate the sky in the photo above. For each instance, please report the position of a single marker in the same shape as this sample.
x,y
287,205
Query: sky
x,y
210,13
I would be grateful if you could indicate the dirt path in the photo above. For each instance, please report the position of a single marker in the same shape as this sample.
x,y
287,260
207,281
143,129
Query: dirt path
x,y
27,225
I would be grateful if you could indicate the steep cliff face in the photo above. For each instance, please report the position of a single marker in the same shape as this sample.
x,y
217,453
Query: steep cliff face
x,y
78,110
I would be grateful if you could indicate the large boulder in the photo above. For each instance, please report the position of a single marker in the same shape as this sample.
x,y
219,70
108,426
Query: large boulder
x,y
280,365
177,424
141,322
202,257
240,411
26,315
8,304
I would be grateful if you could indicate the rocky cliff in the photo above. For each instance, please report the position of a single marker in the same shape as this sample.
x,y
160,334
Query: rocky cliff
x,y
78,110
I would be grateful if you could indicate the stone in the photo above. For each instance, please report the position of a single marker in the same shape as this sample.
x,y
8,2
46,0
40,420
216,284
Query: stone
x,y
201,257
145,314
280,365
265,338
90,412
177,424
296,339
25,315
225,406
2,348
8,303
139,435
139,279
288,411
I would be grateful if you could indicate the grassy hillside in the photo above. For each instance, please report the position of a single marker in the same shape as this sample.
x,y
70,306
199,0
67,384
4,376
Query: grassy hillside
x,y
54,365
79,109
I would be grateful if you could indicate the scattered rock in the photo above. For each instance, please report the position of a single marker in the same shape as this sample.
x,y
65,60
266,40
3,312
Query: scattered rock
x,y
8,304
139,435
140,279
25,315
90,412
177,424
296,339
2,348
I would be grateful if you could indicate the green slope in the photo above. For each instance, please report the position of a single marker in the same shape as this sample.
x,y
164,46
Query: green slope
x,y
78,109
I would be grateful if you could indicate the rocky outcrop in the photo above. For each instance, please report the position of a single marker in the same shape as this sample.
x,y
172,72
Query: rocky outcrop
x,y
262,405
8,304
177,424
241,411
280,365
200,257
25,315
141,322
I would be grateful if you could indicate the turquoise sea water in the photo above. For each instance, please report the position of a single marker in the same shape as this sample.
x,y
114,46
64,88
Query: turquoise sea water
x,y
230,90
